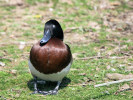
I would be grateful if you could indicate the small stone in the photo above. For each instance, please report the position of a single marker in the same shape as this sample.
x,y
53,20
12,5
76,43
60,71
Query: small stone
x,y
2,64
113,69
107,92
22,45
51,9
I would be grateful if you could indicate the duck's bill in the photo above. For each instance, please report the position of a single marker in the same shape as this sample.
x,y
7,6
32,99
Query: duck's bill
x,y
46,37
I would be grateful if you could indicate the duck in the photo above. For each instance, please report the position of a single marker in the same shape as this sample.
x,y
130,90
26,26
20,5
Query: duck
x,y
50,58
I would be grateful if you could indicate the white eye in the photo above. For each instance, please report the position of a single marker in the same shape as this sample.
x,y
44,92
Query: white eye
x,y
53,26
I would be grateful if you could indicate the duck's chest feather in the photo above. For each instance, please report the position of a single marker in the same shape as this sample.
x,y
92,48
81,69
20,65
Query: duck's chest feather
x,y
53,57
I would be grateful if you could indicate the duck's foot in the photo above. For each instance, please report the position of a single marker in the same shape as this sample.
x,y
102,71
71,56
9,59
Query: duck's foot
x,y
35,87
51,92
35,92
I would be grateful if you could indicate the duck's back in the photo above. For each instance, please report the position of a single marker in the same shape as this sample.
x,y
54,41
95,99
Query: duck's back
x,y
50,58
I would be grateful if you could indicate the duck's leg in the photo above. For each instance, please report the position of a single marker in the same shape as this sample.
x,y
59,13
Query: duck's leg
x,y
55,91
51,92
35,86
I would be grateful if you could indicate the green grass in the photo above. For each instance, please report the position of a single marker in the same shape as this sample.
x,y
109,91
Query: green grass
x,y
77,15
32,2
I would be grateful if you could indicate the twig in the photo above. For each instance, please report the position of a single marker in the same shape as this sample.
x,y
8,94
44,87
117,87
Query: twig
x,y
74,85
78,85
122,90
86,58
6,58
99,57
113,82
127,54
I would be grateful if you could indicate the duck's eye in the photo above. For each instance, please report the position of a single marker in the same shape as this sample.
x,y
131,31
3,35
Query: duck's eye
x,y
53,26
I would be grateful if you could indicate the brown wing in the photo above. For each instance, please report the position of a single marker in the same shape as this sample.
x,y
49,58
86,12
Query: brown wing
x,y
50,58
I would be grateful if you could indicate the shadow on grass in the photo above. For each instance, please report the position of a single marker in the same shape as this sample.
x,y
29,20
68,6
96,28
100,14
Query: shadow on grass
x,y
48,85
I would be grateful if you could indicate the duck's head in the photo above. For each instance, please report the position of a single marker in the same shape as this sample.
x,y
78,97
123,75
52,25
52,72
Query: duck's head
x,y
52,29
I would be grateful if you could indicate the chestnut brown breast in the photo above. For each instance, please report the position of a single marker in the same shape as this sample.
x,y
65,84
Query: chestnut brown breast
x,y
52,57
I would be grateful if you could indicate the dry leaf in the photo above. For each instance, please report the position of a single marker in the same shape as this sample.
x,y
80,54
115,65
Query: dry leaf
x,y
15,2
13,72
82,74
104,4
12,36
87,79
115,3
97,69
108,67
67,1
117,76
37,16
80,38
17,95
2,33
125,87
131,85
75,55
1,68
25,25
129,68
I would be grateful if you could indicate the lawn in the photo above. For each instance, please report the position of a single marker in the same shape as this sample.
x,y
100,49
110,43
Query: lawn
x,y
99,33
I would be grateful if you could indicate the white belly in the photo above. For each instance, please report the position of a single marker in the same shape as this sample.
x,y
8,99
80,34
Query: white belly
x,y
50,77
